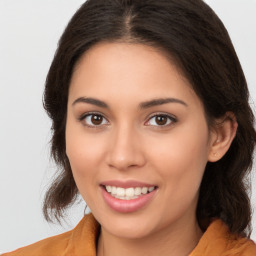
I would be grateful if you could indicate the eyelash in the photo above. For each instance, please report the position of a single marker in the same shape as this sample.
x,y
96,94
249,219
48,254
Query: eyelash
x,y
84,116
171,120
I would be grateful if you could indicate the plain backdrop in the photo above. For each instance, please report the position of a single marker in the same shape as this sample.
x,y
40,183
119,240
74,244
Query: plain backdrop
x,y
29,32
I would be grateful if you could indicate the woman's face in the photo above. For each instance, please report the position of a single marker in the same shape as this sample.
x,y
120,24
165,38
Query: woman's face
x,y
137,129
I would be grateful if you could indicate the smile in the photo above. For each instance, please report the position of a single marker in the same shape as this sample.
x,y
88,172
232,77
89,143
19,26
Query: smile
x,y
128,193
127,197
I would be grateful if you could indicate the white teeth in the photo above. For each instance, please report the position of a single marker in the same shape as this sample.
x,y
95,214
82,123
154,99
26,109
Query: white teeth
x,y
113,191
151,189
137,191
144,190
120,192
128,193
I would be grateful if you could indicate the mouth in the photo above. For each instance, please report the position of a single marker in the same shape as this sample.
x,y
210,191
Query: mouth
x,y
127,197
128,193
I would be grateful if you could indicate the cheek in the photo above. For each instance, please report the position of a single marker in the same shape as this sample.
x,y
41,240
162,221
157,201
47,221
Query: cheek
x,y
182,157
84,152
82,148
84,165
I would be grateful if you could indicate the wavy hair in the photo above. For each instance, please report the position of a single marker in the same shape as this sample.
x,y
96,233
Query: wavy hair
x,y
191,33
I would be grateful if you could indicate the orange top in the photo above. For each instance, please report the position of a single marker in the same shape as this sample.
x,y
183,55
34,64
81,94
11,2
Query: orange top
x,y
81,241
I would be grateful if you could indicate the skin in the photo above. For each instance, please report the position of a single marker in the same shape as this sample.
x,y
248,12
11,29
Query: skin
x,y
128,144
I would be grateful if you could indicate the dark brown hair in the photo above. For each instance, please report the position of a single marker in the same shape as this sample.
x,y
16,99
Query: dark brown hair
x,y
192,34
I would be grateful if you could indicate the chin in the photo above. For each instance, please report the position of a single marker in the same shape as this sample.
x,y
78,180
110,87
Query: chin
x,y
128,231
127,226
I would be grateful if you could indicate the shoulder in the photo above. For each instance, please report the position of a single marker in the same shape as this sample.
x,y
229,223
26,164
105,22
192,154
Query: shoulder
x,y
241,246
217,240
82,237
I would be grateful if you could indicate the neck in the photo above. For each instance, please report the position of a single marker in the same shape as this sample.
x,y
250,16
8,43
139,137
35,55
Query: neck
x,y
178,240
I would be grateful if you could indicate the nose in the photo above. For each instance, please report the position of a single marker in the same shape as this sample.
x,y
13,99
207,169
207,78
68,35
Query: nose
x,y
126,149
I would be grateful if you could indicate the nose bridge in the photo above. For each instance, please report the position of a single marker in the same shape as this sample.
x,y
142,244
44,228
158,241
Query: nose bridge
x,y
126,149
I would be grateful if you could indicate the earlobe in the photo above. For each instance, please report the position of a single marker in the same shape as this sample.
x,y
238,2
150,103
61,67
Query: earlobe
x,y
223,133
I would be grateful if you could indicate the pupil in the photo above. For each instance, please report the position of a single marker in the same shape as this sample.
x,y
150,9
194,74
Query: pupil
x,y
96,119
161,120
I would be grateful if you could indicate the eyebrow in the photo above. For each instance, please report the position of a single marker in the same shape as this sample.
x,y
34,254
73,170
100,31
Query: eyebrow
x,y
160,101
143,105
92,101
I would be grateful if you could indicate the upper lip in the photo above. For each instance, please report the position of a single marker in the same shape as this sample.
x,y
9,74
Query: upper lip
x,y
126,183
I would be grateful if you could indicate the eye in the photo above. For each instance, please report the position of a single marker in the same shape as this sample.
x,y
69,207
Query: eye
x,y
161,120
93,120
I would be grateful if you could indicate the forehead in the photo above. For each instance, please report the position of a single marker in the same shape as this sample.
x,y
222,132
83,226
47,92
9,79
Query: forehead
x,y
124,69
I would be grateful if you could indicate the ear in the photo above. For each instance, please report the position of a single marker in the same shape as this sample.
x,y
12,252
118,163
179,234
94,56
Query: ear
x,y
222,136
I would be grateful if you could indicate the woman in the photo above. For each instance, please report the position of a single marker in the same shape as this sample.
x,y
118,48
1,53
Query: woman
x,y
152,126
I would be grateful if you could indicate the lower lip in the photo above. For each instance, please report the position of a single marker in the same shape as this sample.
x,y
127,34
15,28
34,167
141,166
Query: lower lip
x,y
126,206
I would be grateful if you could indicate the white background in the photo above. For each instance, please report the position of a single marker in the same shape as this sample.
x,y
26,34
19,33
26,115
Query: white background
x,y
29,31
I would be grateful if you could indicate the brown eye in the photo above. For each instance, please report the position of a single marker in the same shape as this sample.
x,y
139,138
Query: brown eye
x,y
94,120
161,120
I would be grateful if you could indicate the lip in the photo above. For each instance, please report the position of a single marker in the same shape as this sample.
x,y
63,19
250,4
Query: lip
x,y
127,206
126,184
